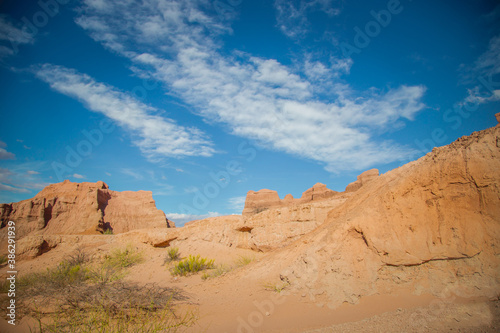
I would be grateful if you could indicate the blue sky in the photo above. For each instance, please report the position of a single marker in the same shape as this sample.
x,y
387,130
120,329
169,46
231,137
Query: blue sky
x,y
201,101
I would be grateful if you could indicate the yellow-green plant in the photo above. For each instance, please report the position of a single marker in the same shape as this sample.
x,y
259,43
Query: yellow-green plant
x,y
192,264
173,253
217,271
244,260
276,287
123,258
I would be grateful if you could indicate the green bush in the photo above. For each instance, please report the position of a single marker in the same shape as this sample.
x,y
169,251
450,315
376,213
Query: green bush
x,y
108,232
192,264
78,296
174,253
51,280
123,258
243,261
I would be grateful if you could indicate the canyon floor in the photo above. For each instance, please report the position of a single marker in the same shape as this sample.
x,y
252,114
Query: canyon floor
x,y
232,303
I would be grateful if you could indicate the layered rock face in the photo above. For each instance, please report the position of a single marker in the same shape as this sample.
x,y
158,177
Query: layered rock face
x,y
431,226
267,222
262,200
363,179
82,208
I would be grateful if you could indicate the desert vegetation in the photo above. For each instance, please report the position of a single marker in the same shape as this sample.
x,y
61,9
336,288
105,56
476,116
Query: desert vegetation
x,y
85,295
192,264
223,269
276,287
173,254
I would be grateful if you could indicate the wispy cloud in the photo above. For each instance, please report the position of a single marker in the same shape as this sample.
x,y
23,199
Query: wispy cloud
x,y
78,176
13,189
489,62
11,36
181,219
4,154
256,98
158,136
237,204
291,15
132,173
20,179
486,67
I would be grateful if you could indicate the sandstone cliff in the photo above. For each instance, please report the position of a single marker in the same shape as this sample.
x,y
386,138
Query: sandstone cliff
x,y
431,226
82,208
262,200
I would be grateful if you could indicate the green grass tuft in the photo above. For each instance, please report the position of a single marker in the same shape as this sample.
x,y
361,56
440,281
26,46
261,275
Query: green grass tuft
x,y
108,232
243,261
192,264
276,287
217,271
123,258
174,254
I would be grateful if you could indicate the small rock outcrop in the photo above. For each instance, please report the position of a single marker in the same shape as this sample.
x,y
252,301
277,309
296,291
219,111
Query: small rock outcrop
x,y
82,208
363,179
317,192
257,202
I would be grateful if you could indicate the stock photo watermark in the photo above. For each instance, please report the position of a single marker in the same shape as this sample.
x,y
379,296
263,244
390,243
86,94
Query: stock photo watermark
x,y
372,29
455,117
11,272
39,20
226,9
218,181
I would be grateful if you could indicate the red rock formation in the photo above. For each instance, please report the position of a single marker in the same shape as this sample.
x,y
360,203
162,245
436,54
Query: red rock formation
x,y
259,201
317,192
82,208
363,179
262,200
431,226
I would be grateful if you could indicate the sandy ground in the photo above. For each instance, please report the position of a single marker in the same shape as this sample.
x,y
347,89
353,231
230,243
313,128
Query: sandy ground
x,y
235,302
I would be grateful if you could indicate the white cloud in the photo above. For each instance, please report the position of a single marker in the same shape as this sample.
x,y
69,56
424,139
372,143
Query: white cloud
x,y
157,136
4,154
291,15
31,172
9,188
191,189
237,204
15,180
486,69
12,36
489,62
256,98
181,219
132,174
78,176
